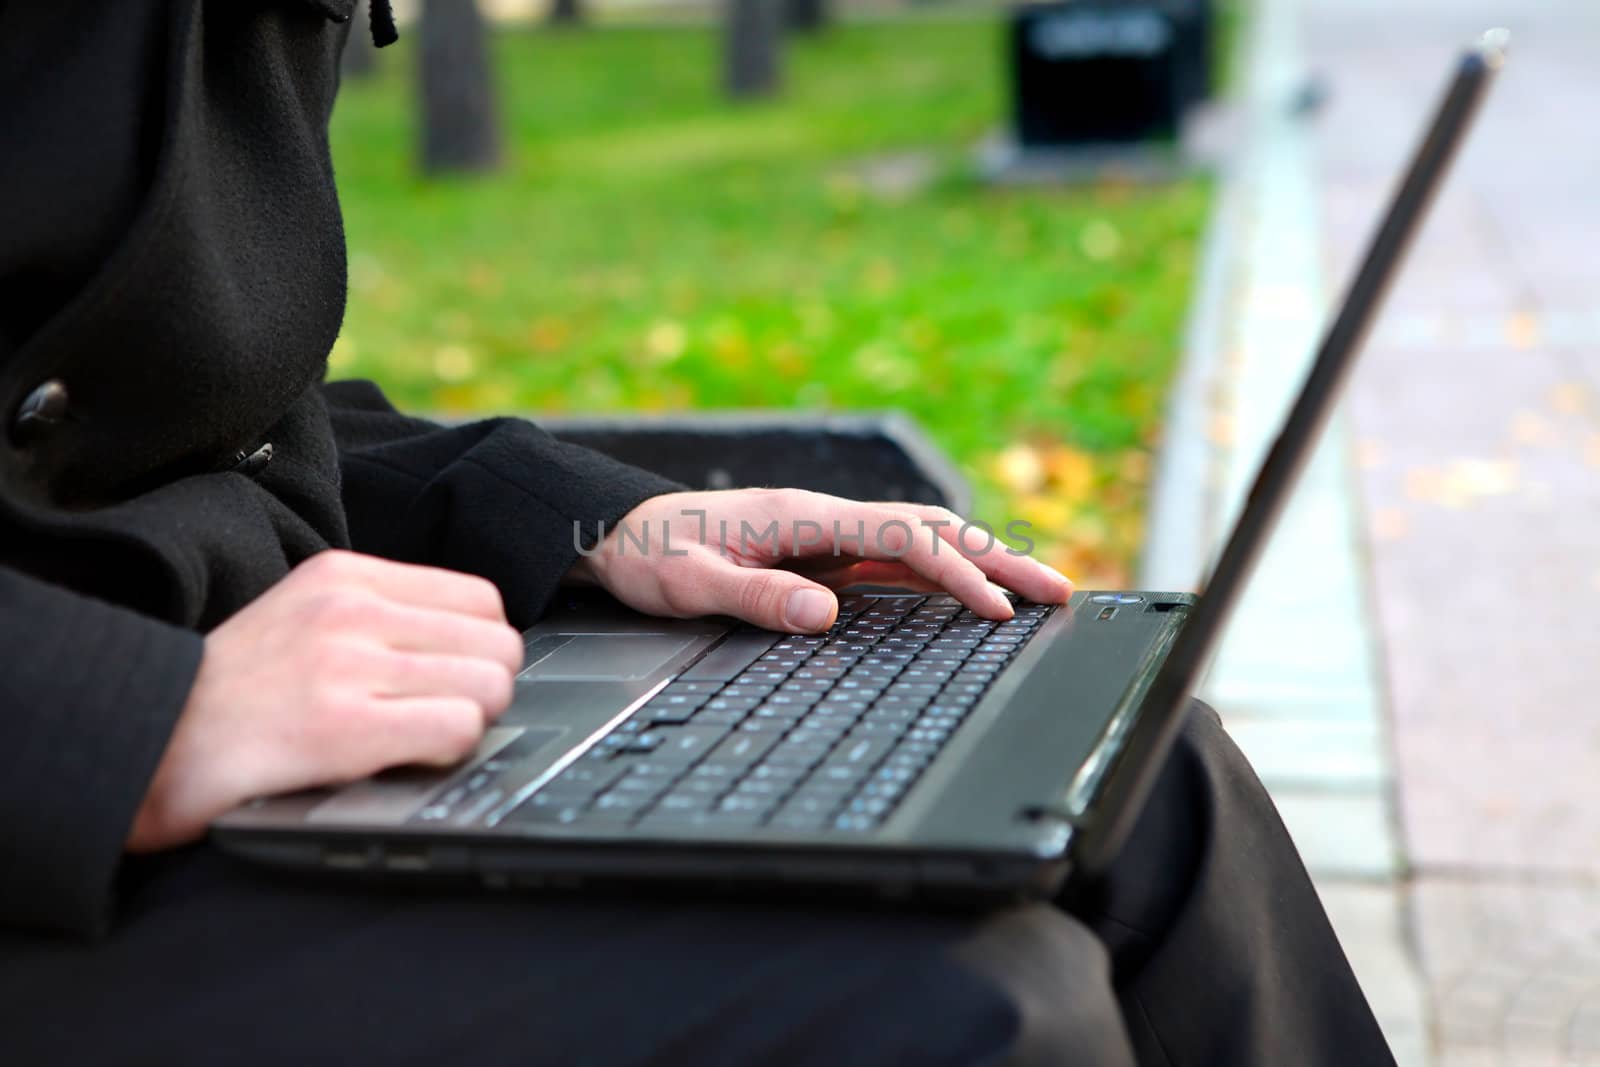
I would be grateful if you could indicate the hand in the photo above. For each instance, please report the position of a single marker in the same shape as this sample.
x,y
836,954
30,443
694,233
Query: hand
x,y
773,556
349,665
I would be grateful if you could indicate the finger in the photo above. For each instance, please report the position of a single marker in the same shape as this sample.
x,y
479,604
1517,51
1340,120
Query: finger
x,y
437,731
407,628
486,683
409,583
871,572
772,598
876,532
1021,574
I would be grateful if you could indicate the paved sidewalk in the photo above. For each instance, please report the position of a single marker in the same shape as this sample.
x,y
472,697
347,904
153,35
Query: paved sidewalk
x,y
1298,680
1478,441
1413,670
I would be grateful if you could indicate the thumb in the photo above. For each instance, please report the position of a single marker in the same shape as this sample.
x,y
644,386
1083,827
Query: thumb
x,y
773,599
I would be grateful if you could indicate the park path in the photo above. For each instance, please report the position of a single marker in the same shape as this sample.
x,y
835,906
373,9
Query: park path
x,y
1414,670
1477,440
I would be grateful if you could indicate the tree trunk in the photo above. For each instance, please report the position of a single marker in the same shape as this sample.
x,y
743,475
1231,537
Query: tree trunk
x,y
805,16
753,38
565,13
460,127
360,56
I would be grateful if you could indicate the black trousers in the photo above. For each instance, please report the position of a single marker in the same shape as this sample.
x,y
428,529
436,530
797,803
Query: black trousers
x,y
1204,945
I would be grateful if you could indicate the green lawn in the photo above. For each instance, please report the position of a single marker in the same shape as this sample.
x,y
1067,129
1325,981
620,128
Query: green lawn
x,y
651,246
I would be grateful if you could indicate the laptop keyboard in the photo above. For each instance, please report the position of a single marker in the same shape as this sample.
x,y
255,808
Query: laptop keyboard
x,y
816,733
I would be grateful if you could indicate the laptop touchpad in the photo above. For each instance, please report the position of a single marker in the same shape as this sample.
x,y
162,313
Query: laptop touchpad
x,y
599,657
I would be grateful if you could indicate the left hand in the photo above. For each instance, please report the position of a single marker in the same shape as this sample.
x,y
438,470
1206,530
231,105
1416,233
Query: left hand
x,y
774,556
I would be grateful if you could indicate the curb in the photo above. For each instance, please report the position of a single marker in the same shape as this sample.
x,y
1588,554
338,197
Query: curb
x,y
1179,522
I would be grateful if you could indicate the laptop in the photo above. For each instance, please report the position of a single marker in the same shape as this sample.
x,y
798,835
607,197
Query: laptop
x,y
915,749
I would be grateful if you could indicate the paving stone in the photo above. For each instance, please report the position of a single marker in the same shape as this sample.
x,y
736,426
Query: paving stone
x,y
1341,833
1464,610
1371,925
1514,969
1480,483
1482,486
1312,752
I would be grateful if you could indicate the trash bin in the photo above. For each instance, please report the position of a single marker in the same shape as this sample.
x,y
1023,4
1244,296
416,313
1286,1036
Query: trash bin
x,y
1107,71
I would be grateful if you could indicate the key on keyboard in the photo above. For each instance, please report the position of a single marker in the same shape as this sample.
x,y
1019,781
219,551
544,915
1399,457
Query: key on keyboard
x,y
810,734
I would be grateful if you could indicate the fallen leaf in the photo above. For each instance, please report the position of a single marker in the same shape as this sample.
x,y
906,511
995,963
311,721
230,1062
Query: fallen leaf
x,y
1480,477
548,334
1134,467
1045,513
1390,524
1570,398
1071,472
1522,330
453,363
1100,240
666,340
1528,428
1020,469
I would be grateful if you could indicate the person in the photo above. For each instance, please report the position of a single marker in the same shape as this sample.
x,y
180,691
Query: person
x,y
222,577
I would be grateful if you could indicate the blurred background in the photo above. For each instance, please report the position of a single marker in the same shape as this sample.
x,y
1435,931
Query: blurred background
x,y
644,239
1089,246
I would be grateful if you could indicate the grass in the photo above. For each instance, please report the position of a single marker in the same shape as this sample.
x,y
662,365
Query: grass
x,y
651,246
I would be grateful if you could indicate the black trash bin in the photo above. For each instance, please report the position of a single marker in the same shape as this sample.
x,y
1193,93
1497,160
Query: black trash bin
x,y
1107,71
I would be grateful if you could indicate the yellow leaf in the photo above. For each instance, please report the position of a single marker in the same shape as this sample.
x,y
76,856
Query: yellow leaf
x,y
1045,513
1528,428
1134,467
1570,398
666,340
1019,469
1071,472
1100,240
1480,477
453,363
1522,331
548,334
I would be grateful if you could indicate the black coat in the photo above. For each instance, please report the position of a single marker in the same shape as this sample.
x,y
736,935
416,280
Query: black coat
x,y
172,277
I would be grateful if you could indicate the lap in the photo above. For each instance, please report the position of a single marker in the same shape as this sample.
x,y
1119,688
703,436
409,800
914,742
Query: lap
x,y
214,955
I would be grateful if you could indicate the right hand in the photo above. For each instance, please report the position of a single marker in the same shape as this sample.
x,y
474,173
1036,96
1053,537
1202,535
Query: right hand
x,y
349,665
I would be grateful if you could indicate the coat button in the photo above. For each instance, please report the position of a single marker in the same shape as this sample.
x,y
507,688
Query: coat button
x,y
253,463
40,410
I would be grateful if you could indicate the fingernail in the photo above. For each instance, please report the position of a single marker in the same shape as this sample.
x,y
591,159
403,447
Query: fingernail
x,y
808,609
1001,602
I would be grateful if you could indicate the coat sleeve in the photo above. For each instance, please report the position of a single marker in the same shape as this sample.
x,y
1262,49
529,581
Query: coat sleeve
x,y
502,498
89,695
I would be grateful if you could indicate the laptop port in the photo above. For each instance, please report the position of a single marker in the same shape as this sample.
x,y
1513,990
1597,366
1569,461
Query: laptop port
x,y
351,857
407,859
